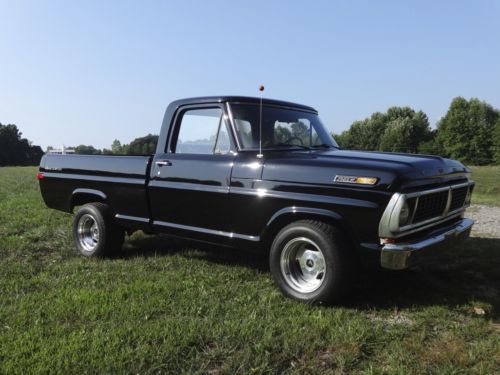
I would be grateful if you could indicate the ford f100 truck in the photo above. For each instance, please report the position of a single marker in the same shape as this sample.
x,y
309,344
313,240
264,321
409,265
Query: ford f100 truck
x,y
266,174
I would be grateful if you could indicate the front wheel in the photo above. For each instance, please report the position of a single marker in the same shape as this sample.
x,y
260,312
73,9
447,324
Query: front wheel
x,y
95,233
312,261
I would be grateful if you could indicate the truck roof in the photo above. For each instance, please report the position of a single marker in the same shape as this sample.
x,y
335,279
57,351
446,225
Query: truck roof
x,y
240,99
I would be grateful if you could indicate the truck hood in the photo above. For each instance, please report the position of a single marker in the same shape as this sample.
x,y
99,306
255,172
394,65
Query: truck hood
x,y
323,166
422,165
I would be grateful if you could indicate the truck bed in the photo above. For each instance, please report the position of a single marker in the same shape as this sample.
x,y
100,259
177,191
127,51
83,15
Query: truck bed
x,y
121,179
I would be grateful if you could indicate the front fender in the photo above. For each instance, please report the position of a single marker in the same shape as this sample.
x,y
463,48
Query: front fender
x,y
303,210
287,215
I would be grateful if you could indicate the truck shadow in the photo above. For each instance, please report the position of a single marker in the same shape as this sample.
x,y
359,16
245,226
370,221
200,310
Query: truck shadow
x,y
147,246
467,273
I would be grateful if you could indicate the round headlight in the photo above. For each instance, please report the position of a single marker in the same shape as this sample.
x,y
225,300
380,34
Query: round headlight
x,y
404,215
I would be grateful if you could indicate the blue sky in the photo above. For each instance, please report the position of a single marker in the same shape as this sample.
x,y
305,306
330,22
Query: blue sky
x,y
87,72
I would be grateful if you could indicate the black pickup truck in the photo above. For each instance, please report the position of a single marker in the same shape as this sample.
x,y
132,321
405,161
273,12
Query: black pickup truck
x,y
265,174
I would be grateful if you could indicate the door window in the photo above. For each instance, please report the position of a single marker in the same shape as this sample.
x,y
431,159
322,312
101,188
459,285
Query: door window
x,y
203,131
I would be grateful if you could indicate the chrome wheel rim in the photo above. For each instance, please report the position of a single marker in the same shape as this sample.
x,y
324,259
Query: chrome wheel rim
x,y
303,265
88,233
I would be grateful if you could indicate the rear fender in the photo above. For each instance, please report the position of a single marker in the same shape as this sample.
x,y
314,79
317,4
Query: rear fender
x,y
82,196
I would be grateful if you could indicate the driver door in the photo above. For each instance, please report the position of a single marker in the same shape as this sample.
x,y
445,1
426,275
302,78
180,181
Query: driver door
x,y
189,188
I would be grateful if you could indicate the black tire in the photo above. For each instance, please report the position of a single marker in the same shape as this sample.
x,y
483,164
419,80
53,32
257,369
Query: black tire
x,y
95,232
296,265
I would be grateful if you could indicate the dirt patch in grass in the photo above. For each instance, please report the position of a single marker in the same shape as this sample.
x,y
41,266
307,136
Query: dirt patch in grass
x,y
486,220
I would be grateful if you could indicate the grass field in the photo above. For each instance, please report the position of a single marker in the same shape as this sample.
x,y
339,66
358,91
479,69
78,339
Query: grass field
x,y
165,309
487,190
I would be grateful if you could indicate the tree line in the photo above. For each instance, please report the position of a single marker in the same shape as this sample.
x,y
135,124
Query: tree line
x,y
16,150
140,146
469,132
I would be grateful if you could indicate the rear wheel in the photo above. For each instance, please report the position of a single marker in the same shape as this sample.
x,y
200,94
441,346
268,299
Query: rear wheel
x,y
312,261
95,232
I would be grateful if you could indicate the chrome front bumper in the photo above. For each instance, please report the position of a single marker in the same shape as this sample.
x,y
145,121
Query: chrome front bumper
x,y
400,255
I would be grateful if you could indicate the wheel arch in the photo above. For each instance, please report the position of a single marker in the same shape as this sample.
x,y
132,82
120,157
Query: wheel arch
x,y
288,215
81,196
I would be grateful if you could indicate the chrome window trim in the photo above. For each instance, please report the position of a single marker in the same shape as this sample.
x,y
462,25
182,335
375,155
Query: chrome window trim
x,y
389,223
233,128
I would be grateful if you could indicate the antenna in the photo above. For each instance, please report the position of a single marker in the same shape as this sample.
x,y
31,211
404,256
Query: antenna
x,y
260,155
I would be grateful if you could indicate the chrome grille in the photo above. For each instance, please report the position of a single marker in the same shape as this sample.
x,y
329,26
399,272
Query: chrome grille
x,y
430,205
438,203
458,197
427,208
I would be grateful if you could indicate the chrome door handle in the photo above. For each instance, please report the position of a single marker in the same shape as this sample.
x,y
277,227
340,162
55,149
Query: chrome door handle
x,y
163,163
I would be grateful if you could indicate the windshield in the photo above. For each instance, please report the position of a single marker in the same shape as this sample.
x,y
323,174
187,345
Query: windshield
x,y
281,128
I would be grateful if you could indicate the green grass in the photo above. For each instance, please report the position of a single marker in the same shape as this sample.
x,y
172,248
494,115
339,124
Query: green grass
x,y
487,190
161,308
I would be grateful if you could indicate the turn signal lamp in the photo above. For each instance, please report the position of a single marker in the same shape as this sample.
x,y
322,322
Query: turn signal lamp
x,y
366,180
356,180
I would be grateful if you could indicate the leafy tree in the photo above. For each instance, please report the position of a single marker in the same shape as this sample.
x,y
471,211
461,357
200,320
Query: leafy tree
x,y
432,146
35,154
405,131
365,134
295,133
116,147
496,142
343,139
15,150
87,150
466,131
282,134
399,129
141,146
396,136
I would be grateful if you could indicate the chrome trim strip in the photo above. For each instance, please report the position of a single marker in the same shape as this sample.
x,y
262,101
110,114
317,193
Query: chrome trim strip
x,y
207,231
407,229
415,207
119,180
265,193
262,193
448,203
397,256
429,225
188,186
132,218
